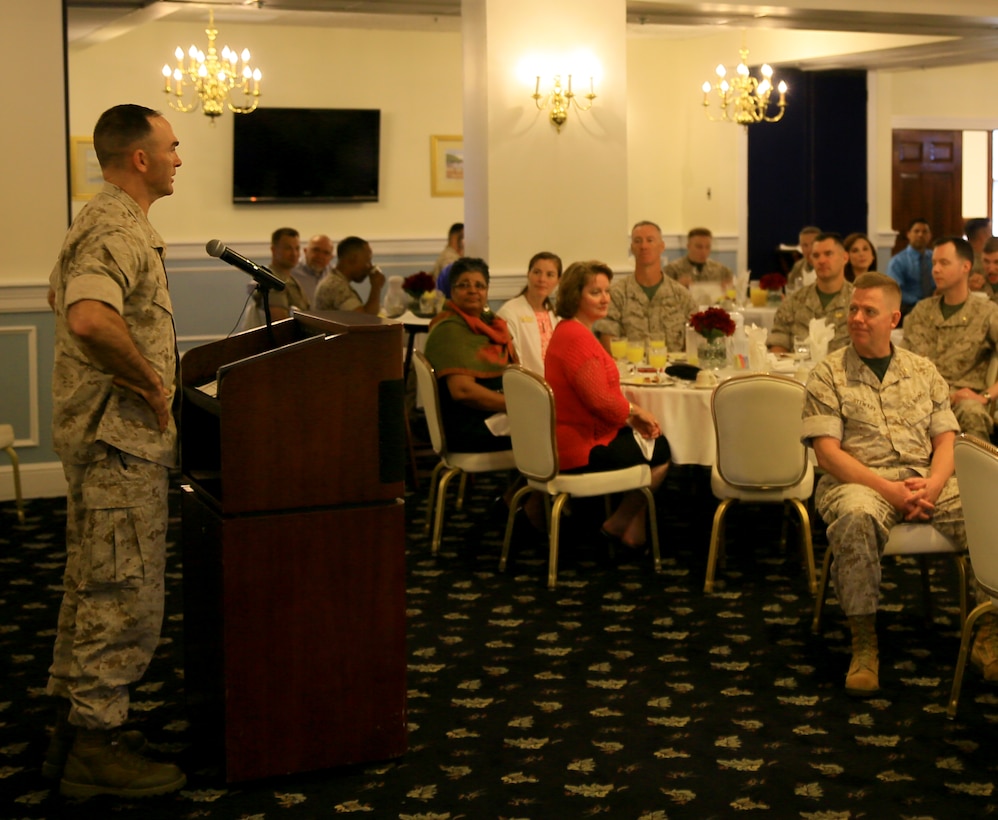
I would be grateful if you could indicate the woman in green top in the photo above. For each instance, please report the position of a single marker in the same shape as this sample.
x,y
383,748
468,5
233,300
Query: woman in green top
x,y
469,347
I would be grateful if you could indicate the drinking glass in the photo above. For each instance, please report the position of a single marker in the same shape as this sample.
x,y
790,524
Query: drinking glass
x,y
618,348
802,348
658,357
635,351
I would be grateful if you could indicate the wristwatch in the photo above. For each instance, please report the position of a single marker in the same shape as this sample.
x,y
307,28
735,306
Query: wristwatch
x,y
985,393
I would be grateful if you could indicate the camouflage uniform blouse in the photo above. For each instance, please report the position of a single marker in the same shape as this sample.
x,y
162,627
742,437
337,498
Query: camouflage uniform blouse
x,y
960,346
632,312
112,254
793,317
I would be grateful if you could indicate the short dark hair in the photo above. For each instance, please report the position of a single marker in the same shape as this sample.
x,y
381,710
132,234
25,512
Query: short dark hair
x,y
835,237
809,229
349,245
280,233
991,246
916,221
574,282
457,227
962,247
878,281
646,222
464,265
120,128
699,232
973,226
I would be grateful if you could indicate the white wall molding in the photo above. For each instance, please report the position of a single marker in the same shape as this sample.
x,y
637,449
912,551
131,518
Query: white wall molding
x,y
32,366
21,298
929,123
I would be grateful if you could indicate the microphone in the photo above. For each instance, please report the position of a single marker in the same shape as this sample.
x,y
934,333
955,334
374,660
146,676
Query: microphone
x,y
264,276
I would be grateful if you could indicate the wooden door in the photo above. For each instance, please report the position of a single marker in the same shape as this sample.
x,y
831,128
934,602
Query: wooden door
x,y
927,182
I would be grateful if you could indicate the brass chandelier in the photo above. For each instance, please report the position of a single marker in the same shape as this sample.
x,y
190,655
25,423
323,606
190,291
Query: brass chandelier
x,y
745,99
213,79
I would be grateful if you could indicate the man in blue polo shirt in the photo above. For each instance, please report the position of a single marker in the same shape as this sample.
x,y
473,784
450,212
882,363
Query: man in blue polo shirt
x,y
912,268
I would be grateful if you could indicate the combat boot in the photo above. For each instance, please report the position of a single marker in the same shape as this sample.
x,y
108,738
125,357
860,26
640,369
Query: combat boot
x,y
63,735
984,652
98,764
862,680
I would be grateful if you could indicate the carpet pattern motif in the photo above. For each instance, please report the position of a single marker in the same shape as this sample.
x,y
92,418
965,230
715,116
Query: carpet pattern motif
x,y
621,693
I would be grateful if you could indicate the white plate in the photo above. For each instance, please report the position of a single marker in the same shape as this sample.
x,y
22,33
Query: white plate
x,y
639,381
704,386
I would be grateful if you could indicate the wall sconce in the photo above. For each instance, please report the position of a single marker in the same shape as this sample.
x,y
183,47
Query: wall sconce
x,y
559,101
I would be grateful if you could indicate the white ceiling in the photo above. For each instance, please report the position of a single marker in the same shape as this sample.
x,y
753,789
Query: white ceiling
x,y
971,25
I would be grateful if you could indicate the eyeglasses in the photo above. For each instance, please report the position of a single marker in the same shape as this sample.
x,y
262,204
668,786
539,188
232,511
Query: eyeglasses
x,y
469,286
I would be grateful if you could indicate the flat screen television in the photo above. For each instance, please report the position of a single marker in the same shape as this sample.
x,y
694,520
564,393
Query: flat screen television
x,y
306,155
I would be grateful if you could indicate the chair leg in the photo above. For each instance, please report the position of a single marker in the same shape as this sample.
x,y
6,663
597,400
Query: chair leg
x,y
554,528
434,480
715,538
653,525
514,505
461,491
438,518
15,465
966,634
806,543
819,601
961,571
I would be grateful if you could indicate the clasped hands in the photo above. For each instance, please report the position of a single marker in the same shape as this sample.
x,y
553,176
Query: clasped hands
x,y
914,498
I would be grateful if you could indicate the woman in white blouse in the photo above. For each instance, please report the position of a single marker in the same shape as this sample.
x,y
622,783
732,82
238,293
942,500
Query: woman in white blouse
x,y
530,316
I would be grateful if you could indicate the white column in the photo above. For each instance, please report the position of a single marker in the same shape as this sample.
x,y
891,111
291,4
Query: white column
x,y
528,186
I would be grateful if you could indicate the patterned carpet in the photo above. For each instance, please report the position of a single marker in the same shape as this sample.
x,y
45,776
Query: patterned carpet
x,y
621,693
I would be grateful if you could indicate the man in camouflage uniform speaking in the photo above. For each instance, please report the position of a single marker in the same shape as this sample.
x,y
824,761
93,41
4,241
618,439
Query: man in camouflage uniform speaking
x,y
114,384
959,334
880,423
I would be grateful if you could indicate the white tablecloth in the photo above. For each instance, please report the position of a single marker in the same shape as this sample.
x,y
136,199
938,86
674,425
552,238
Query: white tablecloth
x,y
683,413
684,416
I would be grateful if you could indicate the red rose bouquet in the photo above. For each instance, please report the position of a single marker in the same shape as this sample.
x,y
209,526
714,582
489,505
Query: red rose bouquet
x,y
418,284
713,323
773,281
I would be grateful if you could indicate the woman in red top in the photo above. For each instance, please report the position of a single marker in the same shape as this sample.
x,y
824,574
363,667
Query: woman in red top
x,y
595,424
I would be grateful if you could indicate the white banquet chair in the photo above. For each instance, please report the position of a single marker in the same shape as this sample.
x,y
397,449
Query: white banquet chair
x,y
451,463
760,458
907,539
531,411
977,475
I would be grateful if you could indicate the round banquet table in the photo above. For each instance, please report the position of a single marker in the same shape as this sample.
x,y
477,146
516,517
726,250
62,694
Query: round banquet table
x,y
683,413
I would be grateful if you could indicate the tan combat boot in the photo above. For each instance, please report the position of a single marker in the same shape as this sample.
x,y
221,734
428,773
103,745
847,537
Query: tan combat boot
x,y
862,680
984,652
63,735
98,764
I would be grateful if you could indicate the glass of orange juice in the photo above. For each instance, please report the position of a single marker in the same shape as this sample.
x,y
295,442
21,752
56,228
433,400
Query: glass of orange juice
x,y
618,348
658,357
635,350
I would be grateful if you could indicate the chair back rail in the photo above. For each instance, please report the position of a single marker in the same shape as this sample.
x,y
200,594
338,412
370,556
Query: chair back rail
x,y
977,477
429,397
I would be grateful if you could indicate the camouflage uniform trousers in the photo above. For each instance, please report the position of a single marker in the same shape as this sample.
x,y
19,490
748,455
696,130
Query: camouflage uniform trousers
x,y
974,419
112,607
859,520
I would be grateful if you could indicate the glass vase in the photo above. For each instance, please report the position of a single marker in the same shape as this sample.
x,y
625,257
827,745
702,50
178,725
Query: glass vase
x,y
713,353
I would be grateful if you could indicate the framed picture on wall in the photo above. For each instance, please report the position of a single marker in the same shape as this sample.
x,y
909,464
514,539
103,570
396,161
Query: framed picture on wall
x,y
446,166
84,169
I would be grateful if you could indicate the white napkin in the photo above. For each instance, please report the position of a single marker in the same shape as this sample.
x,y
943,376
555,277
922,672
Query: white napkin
x,y
647,445
809,277
757,352
820,332
498,424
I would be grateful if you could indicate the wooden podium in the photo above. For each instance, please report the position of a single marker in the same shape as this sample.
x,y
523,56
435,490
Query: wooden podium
x,y
292,444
